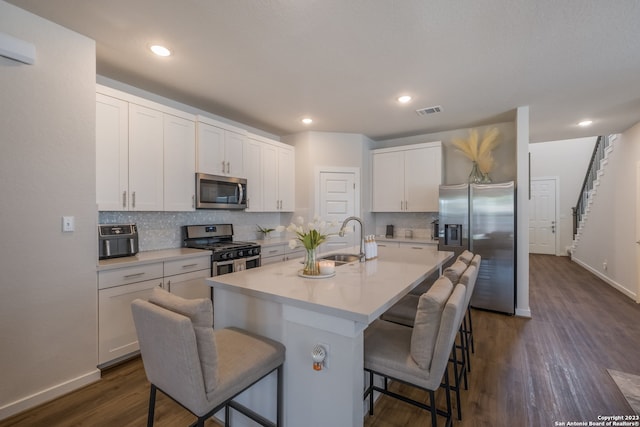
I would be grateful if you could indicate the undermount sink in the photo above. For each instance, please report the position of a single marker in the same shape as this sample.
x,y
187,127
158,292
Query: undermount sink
x,y
341,259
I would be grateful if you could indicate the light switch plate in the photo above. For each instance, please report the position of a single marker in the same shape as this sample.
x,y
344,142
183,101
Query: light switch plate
x,y
68,223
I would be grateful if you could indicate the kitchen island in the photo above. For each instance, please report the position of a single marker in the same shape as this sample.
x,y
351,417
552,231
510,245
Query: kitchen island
x,y
333,312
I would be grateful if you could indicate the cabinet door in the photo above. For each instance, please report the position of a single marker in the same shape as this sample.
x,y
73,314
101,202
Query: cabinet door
x,y
286,179
388,182
234,154
270,178
179,163
433,178
112,157
416,164
253,173
210,149
116,331
189,285
146,174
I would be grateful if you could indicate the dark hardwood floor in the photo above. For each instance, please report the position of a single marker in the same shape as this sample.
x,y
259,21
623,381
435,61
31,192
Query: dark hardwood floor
x,y
525,372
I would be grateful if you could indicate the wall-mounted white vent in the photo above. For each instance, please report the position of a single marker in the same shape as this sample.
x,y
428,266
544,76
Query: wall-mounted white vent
x,y
429,110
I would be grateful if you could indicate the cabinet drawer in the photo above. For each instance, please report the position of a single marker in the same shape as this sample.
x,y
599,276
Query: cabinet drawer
x,y
126,275
171,268
272,251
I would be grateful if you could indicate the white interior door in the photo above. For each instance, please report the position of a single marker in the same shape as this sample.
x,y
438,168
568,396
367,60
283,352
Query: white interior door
x,y
337,202
542,216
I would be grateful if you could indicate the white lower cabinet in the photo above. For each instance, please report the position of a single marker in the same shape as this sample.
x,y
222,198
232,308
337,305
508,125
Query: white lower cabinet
x,y
280,252
116,331
297,253
185,278
118,288
272,254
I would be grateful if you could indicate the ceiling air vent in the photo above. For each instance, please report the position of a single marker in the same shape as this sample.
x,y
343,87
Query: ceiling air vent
x,y
429,110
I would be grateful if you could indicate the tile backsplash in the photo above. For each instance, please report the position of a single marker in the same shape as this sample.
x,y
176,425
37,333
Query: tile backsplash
x,y
419,223
163,230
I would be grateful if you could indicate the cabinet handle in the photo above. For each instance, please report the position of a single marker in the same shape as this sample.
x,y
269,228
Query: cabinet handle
x,y
133,200
248,203
129,276
273,251
416,247
189,265
124,199
193,200
228,167
223,166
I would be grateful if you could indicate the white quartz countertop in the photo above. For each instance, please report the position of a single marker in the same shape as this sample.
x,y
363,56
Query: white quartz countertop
x,y
359,291
148,257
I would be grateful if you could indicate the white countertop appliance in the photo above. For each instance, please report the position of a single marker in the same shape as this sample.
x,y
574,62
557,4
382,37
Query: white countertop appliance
x,y
228,255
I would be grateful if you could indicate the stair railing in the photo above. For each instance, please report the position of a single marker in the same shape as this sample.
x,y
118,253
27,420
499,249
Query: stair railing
x,y
592,173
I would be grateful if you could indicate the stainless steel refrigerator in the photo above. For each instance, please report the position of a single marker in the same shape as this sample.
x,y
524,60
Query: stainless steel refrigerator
x,y
482,218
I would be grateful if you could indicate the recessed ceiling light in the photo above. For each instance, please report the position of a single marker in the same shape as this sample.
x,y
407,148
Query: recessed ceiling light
x,y
307,120
585,123
160,50
404,99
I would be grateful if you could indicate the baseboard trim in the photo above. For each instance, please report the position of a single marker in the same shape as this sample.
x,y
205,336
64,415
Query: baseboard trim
x,y
617,286
48,394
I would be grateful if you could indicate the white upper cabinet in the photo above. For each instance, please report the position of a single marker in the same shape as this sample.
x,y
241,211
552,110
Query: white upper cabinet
x,y
112,153
179,163
286,178
220,150
407,179
270,171
146,166
145,155
253,173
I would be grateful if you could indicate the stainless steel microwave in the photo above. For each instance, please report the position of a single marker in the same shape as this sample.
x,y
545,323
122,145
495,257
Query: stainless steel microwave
x,y
220,192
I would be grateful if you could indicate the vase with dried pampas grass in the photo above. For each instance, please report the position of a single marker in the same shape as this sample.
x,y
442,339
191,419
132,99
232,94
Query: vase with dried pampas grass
x,y
480,152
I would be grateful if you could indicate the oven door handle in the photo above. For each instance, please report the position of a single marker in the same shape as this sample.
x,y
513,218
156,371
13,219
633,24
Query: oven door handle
x,y
252,258
223,263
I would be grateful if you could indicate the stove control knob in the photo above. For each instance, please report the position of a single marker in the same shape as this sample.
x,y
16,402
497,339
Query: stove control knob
x,y
240,253
224,255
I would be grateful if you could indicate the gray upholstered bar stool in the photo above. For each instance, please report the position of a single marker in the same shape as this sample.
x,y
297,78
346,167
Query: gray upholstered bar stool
x,y
465,257
467,323
417,356
201,368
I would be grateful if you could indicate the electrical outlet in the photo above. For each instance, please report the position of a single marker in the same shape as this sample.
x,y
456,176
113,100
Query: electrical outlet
x,y
68,223
604,265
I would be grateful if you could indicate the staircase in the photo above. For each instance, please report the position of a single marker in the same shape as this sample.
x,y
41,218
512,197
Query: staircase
x,y
601,152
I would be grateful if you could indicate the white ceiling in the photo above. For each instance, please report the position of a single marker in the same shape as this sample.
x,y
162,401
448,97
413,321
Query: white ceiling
x,y
267,63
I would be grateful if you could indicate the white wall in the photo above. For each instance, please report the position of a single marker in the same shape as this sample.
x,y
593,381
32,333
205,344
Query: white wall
x,y
609,234
48,292
335,149
567,160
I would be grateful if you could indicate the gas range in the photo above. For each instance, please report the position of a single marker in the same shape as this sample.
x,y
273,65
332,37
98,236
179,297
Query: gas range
x,y
218,238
